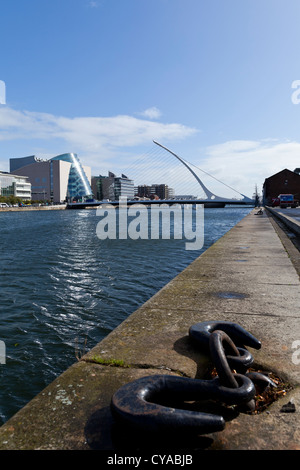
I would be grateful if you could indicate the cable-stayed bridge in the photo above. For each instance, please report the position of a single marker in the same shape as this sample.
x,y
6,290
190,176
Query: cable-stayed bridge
x,y
211,200
156,165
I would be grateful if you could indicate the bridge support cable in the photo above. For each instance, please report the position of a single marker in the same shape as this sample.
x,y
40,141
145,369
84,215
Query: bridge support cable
x,y
207,192
155,167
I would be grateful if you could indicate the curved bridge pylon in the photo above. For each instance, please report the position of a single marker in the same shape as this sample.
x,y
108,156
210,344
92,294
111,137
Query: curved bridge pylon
x,y
210,196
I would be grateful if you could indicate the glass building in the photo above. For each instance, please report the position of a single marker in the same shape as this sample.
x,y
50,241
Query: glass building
x,y
78,183
103,187
59,179
112,187
124,187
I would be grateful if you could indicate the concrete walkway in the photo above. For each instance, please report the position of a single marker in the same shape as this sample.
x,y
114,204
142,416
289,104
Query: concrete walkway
x,y
247,277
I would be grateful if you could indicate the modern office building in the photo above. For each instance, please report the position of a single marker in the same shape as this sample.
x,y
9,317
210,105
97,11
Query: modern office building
x,y
58,179
112,187
143,191
15,185
157,191
124,187
103,187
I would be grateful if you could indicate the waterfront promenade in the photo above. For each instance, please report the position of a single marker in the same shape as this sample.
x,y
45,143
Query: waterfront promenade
x,y
249,276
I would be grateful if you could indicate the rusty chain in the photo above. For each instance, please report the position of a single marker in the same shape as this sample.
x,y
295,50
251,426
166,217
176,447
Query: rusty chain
x,y
138,403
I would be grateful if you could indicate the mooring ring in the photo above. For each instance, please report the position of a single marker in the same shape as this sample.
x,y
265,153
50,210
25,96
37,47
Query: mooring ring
x,y
219,342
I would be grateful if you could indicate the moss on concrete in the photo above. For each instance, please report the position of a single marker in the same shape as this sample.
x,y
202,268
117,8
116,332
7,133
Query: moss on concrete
x,y
108,362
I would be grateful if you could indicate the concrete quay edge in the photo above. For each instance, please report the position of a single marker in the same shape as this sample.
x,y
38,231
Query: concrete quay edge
x,y
246,277
290,222
34,208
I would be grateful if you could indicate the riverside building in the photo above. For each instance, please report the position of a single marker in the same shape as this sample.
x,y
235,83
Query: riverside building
x,y
112,187
15,185
283,182
160,191
59,179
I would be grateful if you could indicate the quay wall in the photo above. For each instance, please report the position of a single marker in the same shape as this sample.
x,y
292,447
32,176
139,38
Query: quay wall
x,y
33,208
283,216
246,277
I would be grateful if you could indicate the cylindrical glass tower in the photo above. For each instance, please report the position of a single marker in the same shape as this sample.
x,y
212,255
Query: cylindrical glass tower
x,y
78,184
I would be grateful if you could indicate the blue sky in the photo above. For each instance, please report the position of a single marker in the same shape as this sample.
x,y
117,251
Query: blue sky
x,y
210,79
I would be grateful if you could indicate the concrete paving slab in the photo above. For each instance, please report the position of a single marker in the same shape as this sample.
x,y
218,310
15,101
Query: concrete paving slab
x,y
168,347
73,412
274,430
240,271
254,304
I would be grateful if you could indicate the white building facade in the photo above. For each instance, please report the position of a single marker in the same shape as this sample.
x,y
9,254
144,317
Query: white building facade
x,y
15,185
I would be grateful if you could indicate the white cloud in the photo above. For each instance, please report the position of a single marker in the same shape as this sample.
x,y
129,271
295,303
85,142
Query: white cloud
x,y
86,132
243,164
151,113
95,139
108,142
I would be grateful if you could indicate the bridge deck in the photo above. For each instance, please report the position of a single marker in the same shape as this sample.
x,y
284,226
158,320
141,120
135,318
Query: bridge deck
x,y
207,203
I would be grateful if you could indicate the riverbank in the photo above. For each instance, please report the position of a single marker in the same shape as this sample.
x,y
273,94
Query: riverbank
x,y
246,277
33,208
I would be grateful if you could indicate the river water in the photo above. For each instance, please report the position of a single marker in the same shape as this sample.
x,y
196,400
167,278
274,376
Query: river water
x,y
63,289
